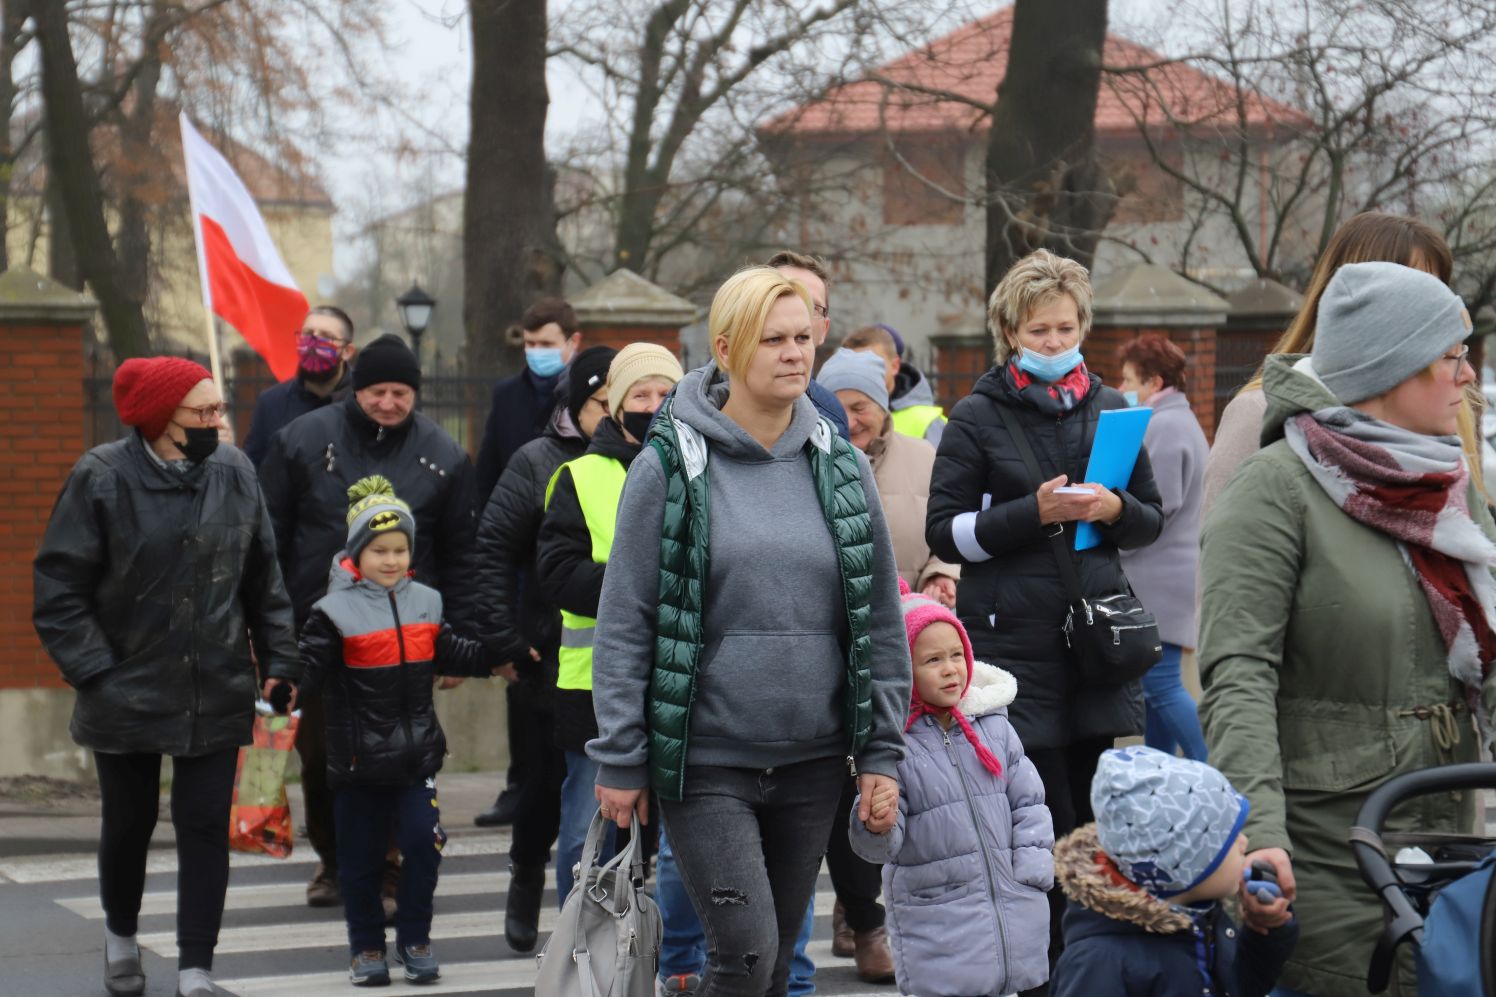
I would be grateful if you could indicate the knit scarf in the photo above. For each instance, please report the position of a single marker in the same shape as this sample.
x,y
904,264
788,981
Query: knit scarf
x,y
1414,488
1051,399
919,708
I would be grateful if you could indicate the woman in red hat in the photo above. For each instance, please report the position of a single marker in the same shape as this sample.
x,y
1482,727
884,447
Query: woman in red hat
x,y
157,571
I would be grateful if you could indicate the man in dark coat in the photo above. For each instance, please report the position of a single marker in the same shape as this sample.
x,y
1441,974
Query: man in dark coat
x,y
324,353
520,409
520,626
305,476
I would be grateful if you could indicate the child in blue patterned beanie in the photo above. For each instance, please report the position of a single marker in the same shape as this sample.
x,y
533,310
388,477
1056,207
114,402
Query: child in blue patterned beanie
x,y
1146,883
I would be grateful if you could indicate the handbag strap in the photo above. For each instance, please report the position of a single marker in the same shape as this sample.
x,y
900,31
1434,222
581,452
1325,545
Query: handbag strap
x,y
1068,576
633,858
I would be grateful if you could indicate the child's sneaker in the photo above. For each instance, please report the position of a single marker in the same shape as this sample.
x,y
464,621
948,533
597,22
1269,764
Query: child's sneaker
x,y
420,964
682,985
369,970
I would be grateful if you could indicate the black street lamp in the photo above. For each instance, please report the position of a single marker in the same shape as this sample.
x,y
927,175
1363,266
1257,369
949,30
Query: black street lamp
x,y
415,312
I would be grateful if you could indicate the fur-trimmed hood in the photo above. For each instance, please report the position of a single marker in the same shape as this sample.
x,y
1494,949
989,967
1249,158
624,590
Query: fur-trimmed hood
x,y
1089,884
991,689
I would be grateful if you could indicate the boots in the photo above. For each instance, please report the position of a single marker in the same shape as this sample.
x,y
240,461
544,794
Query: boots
x,y
842,945
522,909
874,959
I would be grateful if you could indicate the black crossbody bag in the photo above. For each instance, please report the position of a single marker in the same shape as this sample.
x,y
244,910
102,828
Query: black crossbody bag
x,y
1115,640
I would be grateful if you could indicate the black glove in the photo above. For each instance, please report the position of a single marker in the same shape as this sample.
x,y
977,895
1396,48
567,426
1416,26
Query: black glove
x,y
280,697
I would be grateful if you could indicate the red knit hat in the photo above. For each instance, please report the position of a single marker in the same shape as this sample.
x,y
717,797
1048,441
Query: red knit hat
x,y
148,391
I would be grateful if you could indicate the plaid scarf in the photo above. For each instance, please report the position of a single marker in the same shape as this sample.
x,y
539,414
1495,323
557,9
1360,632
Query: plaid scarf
x,y
1414,488
1051,399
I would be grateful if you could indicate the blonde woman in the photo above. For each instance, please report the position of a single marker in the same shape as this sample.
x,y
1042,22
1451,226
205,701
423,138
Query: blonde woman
x,y
750,643
1368,237
987,513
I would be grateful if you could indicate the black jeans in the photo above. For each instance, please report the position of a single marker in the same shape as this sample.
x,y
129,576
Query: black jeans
x,y
524,737
538,819
367,815
311,745
748,845
202,791
1066,773
857,881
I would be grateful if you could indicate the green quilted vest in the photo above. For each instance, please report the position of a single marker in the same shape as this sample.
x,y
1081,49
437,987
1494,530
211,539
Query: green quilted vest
x,y
684,560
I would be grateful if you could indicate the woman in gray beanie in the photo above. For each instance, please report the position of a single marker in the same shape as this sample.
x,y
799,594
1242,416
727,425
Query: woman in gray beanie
x,y
1348,619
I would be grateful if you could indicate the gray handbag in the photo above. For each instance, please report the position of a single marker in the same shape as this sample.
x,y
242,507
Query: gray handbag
x,y
607,939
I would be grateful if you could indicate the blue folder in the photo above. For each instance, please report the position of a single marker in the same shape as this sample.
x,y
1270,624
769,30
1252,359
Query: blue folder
x,y
1114,453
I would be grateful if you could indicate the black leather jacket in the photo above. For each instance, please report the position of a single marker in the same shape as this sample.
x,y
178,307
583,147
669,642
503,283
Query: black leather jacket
x,y
148,587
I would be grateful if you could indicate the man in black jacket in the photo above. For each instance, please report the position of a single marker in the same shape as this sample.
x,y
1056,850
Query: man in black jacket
x,y
305,476
520,626
324,351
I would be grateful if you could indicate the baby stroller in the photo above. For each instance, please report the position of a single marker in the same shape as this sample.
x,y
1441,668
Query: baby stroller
x,y
1442,898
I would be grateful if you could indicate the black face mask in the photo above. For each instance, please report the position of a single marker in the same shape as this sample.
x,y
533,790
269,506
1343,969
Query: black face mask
x,y
200,444
636,424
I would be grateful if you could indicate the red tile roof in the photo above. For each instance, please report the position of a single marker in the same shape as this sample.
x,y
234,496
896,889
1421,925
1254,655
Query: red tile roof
x,y
971,61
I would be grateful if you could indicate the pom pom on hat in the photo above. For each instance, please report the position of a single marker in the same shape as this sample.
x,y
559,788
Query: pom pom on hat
x,y
147,391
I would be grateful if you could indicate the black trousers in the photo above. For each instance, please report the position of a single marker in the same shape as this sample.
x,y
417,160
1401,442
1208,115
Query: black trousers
x,y
538,820
1066,773
311,745
857,882
202,791
525,738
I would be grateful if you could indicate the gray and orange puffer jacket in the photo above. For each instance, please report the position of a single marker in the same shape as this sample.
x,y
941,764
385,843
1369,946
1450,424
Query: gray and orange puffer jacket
x,y
375,653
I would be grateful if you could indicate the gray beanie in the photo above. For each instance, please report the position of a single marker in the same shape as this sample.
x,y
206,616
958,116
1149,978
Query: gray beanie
x,y
1381,323
1165,822
373,510
856,370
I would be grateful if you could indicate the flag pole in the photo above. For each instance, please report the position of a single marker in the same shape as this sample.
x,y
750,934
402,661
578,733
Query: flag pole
x,y
210,328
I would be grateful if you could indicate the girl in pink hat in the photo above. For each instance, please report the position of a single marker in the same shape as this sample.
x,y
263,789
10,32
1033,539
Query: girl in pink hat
x,y
970,856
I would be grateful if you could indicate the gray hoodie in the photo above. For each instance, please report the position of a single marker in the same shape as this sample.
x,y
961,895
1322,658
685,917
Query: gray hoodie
x,y
770,680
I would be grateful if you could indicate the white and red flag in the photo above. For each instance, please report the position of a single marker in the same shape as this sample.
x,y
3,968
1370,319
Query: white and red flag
x,y
245,281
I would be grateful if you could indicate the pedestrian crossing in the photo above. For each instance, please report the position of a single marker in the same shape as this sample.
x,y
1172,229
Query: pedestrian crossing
x,y
273,945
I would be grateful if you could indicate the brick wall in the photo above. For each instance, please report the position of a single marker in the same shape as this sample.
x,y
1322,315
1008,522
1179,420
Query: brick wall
x,y
620,336
1199,346
42,410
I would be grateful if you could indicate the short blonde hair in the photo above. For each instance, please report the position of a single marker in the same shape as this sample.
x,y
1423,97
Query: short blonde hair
x,y
1032,282
741,307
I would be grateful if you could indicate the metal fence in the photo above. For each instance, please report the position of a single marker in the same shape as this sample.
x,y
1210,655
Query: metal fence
x,y
456,400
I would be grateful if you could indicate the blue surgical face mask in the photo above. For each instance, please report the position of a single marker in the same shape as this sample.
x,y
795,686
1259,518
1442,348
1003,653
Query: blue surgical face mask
x,y
1132,398
544,361
1049,369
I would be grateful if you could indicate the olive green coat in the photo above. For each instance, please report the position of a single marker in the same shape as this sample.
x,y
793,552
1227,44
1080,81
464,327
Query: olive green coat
x,y
1316,646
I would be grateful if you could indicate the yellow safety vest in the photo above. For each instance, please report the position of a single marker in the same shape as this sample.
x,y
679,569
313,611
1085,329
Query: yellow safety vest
x,y
914,420
599,484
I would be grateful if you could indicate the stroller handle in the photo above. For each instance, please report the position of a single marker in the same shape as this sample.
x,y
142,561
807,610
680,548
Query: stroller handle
x,y
1376,868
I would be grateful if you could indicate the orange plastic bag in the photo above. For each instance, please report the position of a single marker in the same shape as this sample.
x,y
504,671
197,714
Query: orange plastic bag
x,y
260,819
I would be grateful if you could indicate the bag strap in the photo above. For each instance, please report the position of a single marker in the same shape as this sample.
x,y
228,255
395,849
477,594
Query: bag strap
x,y
633,857
1068,576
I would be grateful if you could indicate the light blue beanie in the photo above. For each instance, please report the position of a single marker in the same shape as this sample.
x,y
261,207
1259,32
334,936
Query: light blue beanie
x,y
1165,822
1381,323
856,370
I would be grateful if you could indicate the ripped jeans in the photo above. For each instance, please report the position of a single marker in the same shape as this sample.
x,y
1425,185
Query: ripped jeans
x,y
748,846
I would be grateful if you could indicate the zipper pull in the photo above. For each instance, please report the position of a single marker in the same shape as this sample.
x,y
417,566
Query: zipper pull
x,y
852,766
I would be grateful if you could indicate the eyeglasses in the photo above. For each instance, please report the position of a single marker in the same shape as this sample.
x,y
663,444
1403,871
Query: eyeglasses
x,y
1457,360
206,414
824,311
308,337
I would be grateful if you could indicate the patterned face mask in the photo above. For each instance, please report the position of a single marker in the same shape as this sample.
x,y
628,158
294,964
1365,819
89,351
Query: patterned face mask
x,y
317,355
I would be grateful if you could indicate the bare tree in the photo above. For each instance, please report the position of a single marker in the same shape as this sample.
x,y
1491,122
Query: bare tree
x,y
510,251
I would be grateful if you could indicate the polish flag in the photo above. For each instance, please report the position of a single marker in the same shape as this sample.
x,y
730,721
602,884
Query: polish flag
x,y
244,280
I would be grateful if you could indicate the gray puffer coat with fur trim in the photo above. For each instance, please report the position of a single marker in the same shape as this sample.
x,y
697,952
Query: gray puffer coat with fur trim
x,y
967,865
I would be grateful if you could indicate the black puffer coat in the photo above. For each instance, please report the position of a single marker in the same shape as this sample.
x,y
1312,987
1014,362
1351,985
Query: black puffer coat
x,y
514,613
1013,602
374,652
306,474
148,586
572,580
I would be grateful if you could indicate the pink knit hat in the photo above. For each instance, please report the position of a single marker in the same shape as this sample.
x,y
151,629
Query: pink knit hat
x,y
919,612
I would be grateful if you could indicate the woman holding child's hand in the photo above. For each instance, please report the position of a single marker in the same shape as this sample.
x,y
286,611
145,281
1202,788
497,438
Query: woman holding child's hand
x,y
748,647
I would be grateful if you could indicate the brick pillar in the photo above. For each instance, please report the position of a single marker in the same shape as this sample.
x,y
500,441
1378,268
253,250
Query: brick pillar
x,y
625,308
43,408
1148,299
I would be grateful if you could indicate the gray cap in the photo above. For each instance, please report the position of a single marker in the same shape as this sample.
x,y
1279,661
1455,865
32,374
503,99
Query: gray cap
x,y
856,370
1381,323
